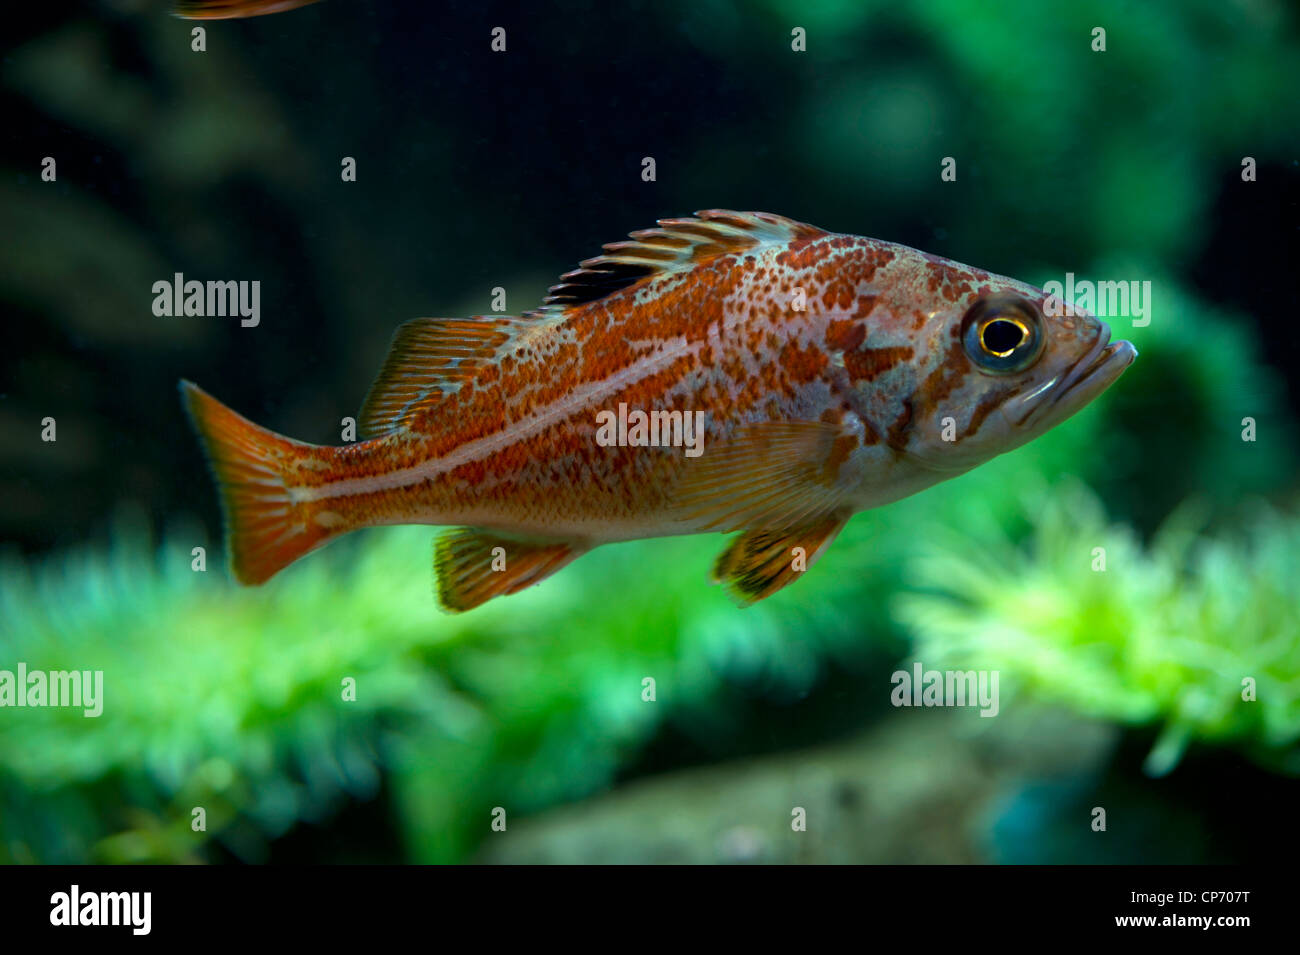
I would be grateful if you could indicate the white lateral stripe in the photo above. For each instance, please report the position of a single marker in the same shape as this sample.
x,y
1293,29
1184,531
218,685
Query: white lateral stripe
x,y
581,398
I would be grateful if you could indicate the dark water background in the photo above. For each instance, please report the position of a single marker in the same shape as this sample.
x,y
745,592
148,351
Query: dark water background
x,y
479,169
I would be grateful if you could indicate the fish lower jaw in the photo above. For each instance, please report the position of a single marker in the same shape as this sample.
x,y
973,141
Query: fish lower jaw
x,y
1089,382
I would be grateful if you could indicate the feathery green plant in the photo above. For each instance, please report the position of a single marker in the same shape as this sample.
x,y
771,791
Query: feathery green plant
x,y
1199,636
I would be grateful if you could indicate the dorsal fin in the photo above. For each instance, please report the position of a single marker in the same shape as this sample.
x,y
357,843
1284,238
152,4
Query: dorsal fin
x,y
676,245
428,358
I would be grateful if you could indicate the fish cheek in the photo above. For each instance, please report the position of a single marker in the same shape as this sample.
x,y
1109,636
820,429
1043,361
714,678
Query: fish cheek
x,y
994,399
940,390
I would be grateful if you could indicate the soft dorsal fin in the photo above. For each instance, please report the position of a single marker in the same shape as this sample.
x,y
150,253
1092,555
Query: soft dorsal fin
x,y
676,245
428,358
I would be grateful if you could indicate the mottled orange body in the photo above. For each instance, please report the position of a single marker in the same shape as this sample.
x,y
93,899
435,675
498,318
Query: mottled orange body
x,y
834,373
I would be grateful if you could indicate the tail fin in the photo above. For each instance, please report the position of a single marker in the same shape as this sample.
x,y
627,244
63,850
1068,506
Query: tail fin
x,y
229,9
265,532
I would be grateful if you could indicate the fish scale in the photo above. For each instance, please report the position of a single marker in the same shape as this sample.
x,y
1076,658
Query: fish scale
x,y
832,373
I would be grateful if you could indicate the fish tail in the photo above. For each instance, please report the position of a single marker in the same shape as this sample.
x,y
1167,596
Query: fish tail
x,y
230,9
265,530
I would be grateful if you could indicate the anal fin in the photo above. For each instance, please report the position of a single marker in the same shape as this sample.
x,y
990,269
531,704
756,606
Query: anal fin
x,y
758,563
471,570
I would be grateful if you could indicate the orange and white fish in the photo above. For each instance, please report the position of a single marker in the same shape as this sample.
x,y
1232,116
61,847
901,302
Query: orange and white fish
x,y
234,9
830,374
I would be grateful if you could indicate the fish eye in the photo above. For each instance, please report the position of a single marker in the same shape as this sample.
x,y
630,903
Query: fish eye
x,y
1003,334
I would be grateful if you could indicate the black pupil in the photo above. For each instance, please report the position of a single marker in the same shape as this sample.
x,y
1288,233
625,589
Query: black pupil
x,y
1001,336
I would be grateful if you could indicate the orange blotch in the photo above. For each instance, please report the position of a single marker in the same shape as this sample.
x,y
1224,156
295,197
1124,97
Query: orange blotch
x,y
841,448
843,335
802,364
870,363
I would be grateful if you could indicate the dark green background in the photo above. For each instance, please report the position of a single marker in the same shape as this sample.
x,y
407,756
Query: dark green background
x,y
477,170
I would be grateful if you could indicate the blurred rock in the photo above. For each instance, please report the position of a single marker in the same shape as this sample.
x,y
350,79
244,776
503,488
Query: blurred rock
x,y
918,789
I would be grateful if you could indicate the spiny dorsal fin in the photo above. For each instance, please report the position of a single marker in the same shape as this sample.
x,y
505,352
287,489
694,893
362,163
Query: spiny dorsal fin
x,y
676,245
428,358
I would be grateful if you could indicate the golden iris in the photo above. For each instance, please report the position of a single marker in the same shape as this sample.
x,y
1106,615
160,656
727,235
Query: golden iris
x,y
1003,334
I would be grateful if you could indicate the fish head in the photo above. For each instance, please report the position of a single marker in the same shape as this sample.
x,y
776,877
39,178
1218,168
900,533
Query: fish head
x,y
998,363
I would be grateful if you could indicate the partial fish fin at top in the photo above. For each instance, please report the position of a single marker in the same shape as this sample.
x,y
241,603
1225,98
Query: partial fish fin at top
x,y
772,474
472,570
428,358
758,563
231,9
676,245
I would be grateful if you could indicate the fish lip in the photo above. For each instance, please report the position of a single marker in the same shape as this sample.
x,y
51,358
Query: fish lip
x,y
1109,364
1104,359
1081,368
1102,372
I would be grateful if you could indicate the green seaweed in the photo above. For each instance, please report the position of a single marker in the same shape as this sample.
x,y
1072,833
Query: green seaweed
x,y
1196,635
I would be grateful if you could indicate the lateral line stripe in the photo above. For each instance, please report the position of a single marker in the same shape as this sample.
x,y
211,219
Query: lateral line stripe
x,y
583,396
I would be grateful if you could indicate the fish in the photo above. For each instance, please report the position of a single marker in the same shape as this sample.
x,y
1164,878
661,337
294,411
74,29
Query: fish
x,y
823,374
234,9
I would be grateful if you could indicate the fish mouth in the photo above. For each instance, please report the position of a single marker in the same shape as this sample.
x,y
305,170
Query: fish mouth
x,y
1093,373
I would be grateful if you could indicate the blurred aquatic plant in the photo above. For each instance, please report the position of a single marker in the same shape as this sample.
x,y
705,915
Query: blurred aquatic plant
x,y
1198,636
1173,426
231,699
216,699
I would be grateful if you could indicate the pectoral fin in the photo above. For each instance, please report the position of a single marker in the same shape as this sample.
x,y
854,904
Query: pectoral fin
x,y
475,566
769,474
758,563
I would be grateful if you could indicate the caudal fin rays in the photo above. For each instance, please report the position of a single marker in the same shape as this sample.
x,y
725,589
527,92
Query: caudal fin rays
x,y
263,532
